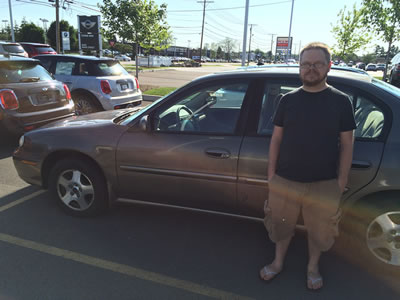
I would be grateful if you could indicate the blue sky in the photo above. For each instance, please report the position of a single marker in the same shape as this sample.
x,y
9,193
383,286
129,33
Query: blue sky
x,y
312,19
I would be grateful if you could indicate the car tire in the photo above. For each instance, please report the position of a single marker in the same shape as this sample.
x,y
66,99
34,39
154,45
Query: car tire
x,y
85,103
79,187
370,235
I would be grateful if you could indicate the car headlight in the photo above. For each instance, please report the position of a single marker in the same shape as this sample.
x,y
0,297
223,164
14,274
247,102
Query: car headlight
x,y
21,140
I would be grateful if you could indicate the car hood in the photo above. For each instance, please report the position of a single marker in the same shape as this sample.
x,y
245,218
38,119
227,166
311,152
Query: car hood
x,y
94,119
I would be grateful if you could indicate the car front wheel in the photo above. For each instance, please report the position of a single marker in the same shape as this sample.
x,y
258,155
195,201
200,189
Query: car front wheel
x,y
85,104
79,187
373,235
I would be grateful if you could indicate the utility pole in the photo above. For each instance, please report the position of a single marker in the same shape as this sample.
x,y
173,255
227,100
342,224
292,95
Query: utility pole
x,y
58,49
202,27
251,29
272,43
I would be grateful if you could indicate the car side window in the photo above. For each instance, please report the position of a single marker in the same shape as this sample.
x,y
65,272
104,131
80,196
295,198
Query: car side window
x,y
64,67
213,109
272,95
369,118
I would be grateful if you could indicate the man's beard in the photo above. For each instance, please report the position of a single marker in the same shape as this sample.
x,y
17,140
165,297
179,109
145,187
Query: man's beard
x,y
316,81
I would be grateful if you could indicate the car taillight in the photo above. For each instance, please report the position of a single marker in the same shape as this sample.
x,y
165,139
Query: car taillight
x,y
105,87
8,99
137,83
67,92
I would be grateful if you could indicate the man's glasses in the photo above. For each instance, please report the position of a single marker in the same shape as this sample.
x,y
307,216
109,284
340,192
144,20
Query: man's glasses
x,y
307,66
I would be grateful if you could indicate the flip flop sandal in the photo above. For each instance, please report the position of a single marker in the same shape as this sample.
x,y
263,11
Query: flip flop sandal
x,y
313,278
268,272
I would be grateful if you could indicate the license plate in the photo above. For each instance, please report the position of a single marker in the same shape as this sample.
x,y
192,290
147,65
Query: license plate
x,y
124,87
46,98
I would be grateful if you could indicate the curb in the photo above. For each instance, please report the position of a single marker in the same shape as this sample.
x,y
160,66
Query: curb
x,y
150,98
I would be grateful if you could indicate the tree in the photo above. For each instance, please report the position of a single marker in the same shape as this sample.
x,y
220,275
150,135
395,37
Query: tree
x,y
64,26
141,22
228,45
29,32
219,53
348,33
383,17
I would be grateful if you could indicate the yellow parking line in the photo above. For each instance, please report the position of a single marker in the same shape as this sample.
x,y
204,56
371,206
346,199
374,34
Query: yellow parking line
x,y
19,201
120,268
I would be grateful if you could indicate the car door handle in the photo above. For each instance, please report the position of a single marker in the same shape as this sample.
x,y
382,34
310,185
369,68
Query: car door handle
x,y
218,153
359,164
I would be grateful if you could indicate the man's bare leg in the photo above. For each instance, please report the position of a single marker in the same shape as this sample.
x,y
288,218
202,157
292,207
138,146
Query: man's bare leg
x,y
314,279
271,270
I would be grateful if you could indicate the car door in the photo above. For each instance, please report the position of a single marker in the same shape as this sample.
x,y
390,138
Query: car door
x,y
371,118
189,156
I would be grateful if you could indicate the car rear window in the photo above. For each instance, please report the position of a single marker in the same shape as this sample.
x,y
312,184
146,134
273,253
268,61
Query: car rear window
x,y
27,71
108,68
13,48
44,49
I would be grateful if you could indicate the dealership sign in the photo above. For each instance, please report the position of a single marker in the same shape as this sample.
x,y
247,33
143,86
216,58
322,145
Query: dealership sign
x,y
89,33
65,40
282,43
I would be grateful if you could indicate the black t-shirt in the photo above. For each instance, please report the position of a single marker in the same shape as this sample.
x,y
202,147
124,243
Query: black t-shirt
x,y
312,124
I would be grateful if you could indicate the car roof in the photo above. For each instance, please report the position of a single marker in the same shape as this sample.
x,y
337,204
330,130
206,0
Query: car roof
x,y
6,57
35,44
9,43
291,70
81,57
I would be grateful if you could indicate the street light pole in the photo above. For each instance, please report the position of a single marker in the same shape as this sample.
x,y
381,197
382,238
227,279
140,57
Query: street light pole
x,y
45,28
12,24
246,20
290,30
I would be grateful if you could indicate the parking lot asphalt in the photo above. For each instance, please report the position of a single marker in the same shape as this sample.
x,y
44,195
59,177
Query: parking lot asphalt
x,y
147,252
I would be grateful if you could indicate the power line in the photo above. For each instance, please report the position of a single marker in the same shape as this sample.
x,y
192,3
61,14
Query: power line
x,y
229,8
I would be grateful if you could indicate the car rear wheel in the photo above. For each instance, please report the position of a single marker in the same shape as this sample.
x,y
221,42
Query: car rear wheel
x,y
79,187
85,104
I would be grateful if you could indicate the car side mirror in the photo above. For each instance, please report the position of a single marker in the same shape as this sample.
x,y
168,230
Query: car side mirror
x,y
144,123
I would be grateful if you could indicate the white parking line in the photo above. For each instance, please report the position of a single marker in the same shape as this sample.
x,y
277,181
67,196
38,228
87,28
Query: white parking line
x,y
22,200
120,268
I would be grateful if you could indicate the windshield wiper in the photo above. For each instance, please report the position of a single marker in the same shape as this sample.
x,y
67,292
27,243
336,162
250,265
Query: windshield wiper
x,y
29,79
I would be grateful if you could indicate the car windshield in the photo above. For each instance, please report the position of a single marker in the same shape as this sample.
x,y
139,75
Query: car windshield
x,y
14,48
387,87
22,71
109,68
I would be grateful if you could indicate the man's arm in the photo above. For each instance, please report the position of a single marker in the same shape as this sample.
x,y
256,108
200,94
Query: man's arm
x,y
274,150
345,157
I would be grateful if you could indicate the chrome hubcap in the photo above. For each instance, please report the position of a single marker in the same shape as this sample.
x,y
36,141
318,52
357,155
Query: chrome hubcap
x,y
75,190
84,107
383,237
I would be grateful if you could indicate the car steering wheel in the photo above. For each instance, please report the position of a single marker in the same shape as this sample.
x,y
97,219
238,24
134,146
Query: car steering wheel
x,y
188,124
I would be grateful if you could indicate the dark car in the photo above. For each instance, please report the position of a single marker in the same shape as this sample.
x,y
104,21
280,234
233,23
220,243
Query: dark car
x,y
96,83
34,49
394,73
29,96
360,65
205,146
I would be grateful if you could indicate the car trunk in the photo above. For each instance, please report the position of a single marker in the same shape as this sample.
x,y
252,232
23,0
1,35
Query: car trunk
x,y
121,85
38,96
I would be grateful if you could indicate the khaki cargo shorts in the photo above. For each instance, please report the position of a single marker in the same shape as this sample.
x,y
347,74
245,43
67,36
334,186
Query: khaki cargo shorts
x,y
319,203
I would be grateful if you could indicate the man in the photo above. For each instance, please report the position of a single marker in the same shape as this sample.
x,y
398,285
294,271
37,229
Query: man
x,y
309,161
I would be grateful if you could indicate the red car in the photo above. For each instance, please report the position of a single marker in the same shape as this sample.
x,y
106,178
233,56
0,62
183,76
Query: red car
x,y
34,49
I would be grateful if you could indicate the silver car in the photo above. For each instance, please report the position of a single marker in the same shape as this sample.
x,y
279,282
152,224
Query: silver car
x,y
96,84
205,146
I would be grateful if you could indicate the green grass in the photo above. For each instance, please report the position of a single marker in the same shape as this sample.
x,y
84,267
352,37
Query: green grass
x,y
161,91
378,77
